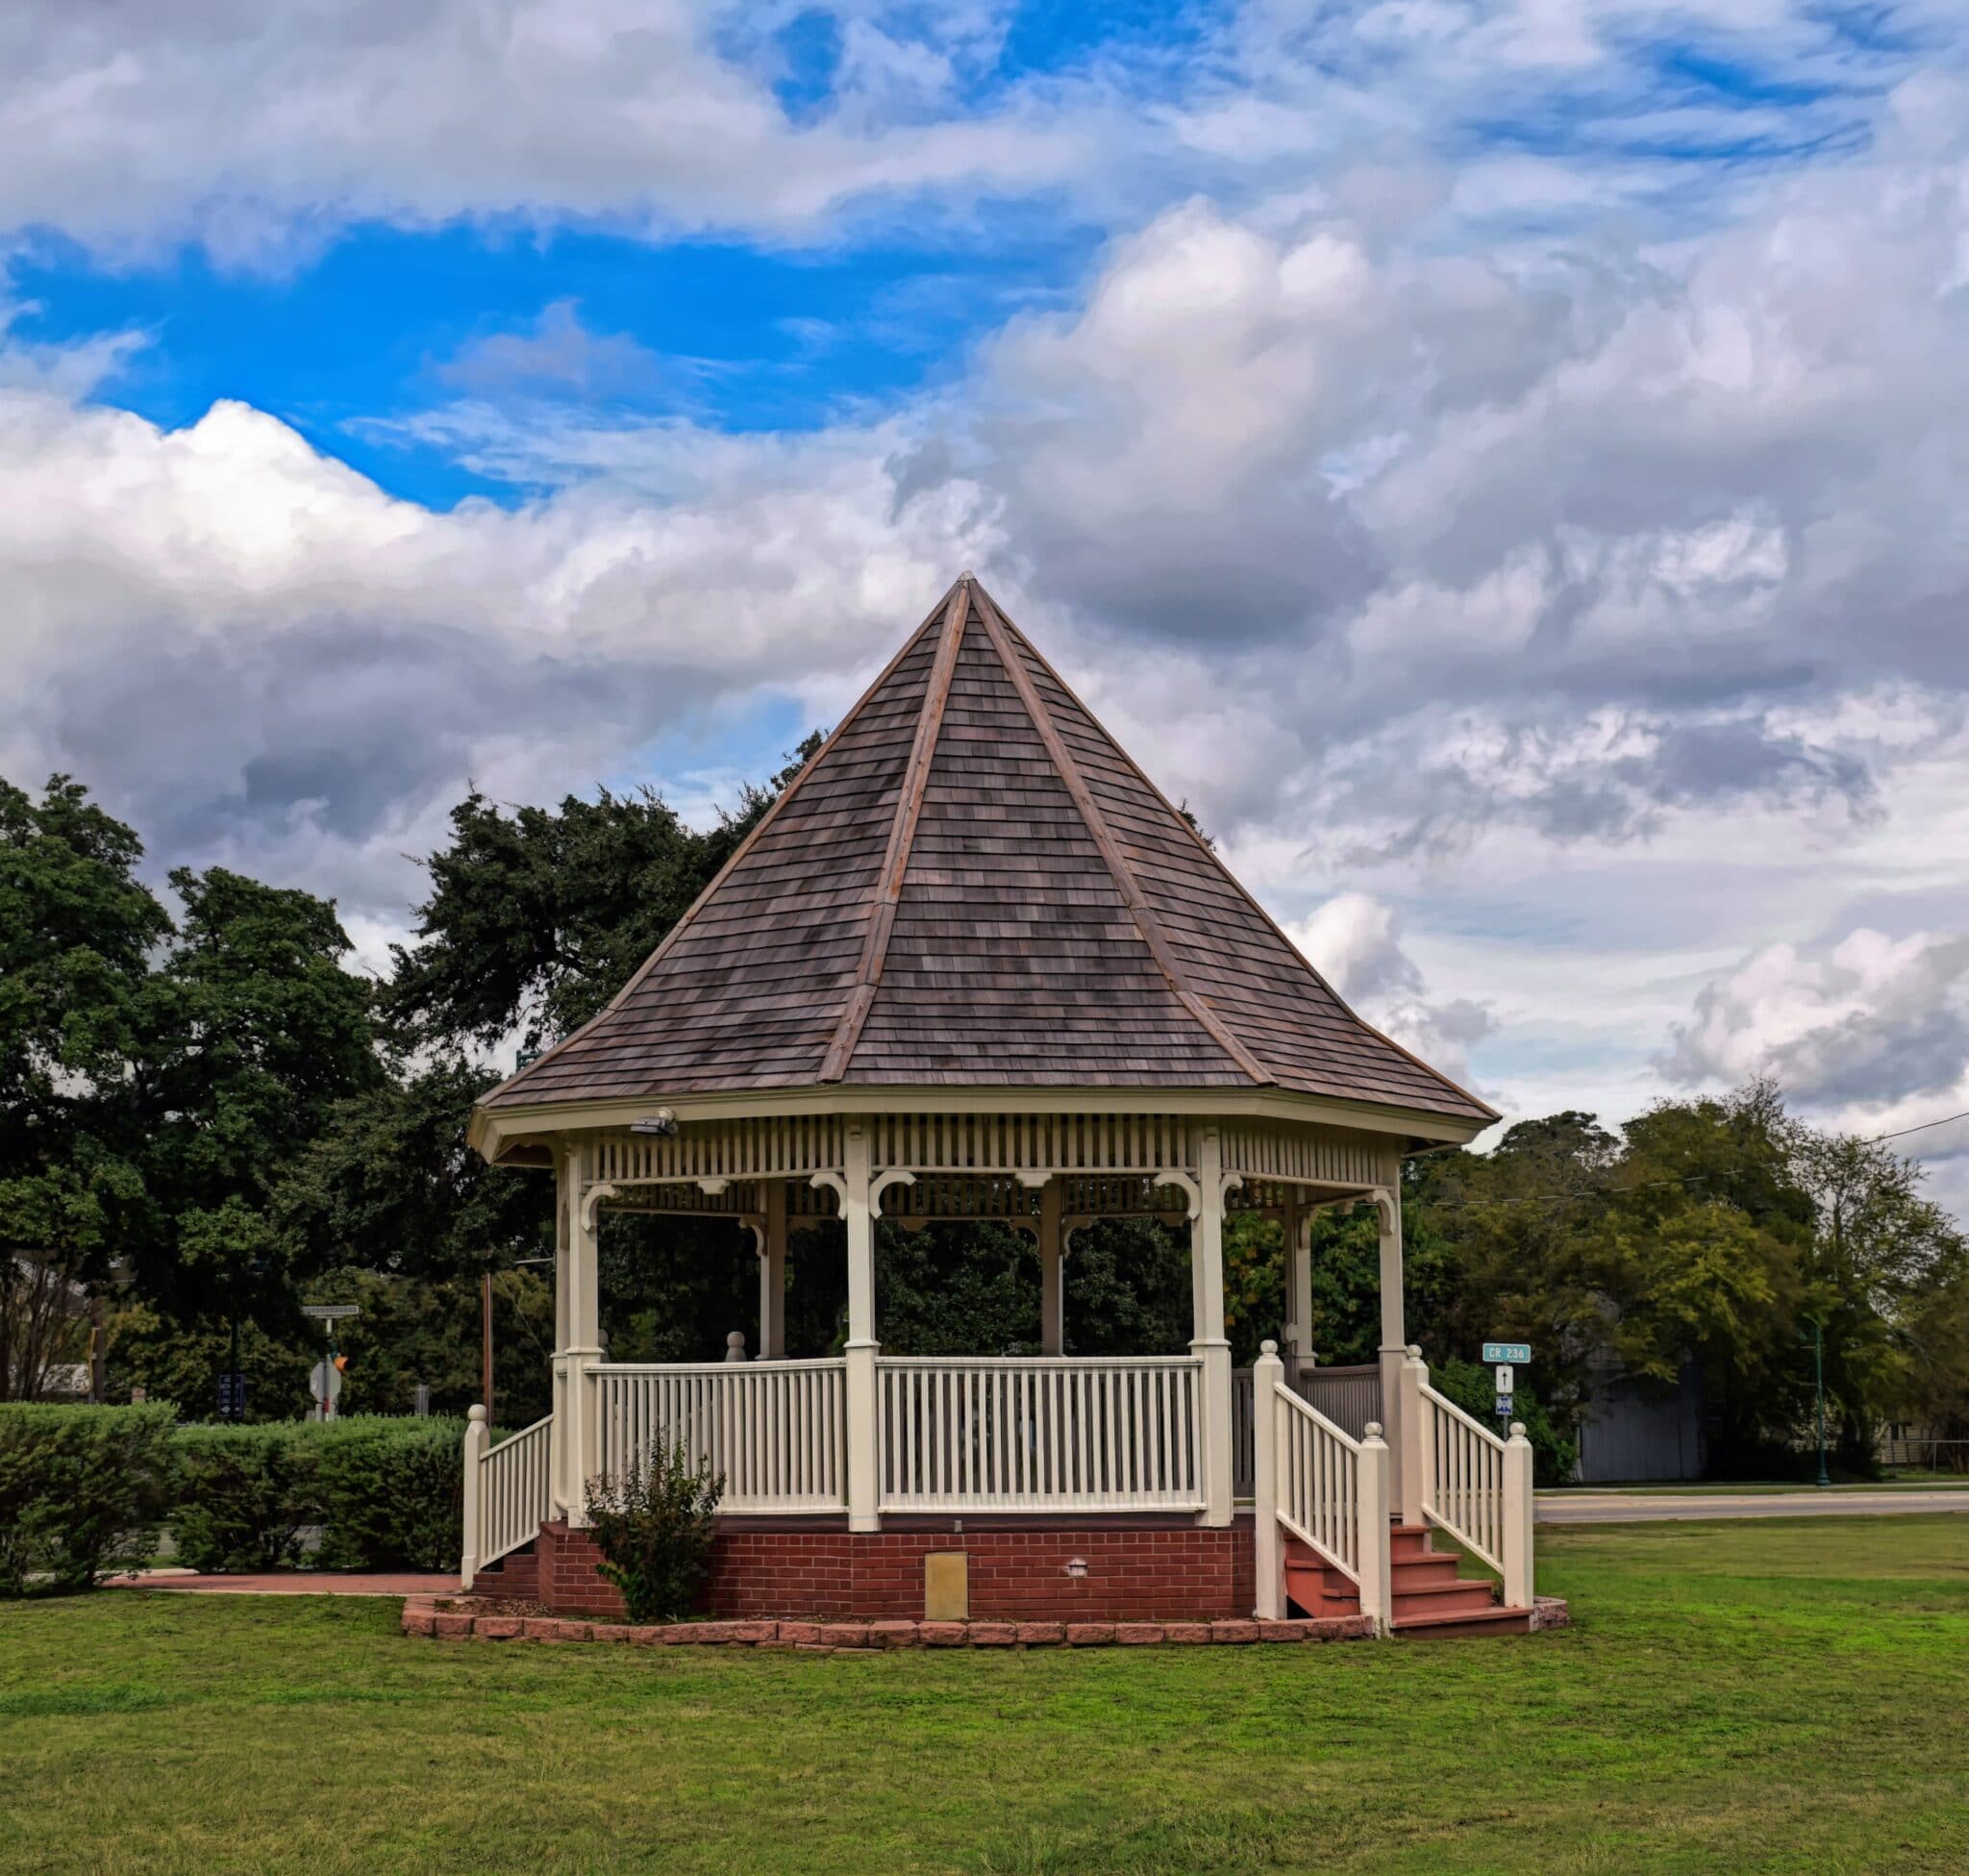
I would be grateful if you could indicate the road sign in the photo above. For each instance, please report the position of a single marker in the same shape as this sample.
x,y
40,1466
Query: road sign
x,y
338,1312
1506,1381
232,1396
1519,1352
1503,1407
325,1383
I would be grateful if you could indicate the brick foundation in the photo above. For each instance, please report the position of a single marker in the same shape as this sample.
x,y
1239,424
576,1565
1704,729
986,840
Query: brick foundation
x,y
1137,1570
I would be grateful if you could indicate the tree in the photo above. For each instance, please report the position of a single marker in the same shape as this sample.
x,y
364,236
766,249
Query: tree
x,y
538,916
76,930
253,1034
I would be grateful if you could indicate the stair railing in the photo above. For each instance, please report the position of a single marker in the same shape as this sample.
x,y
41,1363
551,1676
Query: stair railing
x,y
1464,1478
1317,1482
506,1492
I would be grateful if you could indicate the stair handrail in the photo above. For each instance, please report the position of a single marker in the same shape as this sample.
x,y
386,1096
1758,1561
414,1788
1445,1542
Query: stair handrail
x,y
507,1493
1302,1462
1470,1483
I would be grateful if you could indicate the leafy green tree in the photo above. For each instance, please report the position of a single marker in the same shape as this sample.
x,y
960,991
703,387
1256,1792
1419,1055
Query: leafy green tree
x,y
77,927
255,1032
538,915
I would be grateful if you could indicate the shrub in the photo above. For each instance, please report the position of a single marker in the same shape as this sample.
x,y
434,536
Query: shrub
x,y
391,1492
82,1489
388,1494
652,1526
245,1495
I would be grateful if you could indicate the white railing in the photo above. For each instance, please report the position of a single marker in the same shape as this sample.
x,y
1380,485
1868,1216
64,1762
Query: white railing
x,y
1473,1485
1040,1433
506,1491
775,1432
1317,1482
1350,1397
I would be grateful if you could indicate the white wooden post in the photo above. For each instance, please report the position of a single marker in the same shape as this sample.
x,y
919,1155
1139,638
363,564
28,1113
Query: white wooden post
x,y
1421,1455
1267,1375
862,1349
1297,1220
1208,1340
583,1349
1517,1519
1373,1544
772,1275
568,1197
474,1538
1052,1271
1394,1337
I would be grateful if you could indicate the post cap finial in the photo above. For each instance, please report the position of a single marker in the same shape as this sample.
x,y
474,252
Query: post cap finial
x,y
476,1411
1517,1429
1372,1429
1268,1348
1414,1351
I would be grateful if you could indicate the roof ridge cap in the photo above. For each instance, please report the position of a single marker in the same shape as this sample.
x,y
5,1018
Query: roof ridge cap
x,y
738,853
902,835
1244,893
1109,849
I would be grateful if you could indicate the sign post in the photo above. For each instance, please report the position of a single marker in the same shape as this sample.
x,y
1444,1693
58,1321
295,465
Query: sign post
x,y
1507,1357
326,1381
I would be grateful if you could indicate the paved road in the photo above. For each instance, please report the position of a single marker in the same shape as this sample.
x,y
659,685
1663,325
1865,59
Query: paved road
x,y
1623,1507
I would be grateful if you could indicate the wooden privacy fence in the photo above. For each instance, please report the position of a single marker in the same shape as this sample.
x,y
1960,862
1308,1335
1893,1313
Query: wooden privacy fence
x,y
775,1432
506,1491
1044,1434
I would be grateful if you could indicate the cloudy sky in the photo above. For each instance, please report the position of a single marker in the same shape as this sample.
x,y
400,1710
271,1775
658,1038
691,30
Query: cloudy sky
x,y
1506,465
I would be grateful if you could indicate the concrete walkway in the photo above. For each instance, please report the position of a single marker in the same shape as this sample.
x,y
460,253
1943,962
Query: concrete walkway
x,y
294,1583
1640,1508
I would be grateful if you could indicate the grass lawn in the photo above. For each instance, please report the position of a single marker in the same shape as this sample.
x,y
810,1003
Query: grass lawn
x,y
1783,1695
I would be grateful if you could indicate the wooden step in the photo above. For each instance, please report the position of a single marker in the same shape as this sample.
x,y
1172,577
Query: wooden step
x,y
1495,1620
1462,1596
1414,1570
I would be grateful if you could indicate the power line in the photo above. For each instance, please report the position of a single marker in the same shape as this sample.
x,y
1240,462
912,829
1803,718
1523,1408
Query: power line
x,y
1900,1133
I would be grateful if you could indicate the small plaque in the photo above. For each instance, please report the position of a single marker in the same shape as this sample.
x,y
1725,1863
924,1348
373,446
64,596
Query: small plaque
x,y
946,1586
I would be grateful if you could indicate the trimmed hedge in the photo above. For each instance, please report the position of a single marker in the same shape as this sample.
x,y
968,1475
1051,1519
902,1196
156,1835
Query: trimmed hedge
x,y
388,1494
82,1492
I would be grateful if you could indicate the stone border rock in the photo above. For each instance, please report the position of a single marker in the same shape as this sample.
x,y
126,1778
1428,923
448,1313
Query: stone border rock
x,y
425,1616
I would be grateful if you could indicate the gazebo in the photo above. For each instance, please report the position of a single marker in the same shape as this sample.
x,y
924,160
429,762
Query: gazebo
x,y
972,965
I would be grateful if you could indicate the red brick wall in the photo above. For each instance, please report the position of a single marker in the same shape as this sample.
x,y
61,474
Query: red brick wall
x,y
1135,1572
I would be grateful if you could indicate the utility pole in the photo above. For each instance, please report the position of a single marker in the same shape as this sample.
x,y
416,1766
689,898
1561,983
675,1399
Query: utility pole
x,y
485,1343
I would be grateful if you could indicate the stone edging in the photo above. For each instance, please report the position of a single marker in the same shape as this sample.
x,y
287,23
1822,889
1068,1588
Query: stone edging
x,y
422,1616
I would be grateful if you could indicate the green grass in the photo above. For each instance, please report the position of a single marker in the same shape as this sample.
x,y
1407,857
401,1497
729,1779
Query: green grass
x,y
1788,1695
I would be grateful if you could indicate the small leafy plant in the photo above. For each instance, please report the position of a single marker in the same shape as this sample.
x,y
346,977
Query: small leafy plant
x,y
652,1526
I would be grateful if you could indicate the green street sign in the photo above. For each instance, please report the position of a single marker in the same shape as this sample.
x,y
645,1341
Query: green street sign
x,y
1518,1352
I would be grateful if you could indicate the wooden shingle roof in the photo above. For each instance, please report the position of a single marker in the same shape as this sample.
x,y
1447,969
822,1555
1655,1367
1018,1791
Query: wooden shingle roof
x,y
971,885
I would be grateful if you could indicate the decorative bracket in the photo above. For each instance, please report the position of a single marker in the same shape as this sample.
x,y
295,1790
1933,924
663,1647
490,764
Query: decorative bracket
x,y
1183,1182
1225,1185
593,1197
832,1182
1033,1181
713,1187
880,1184
754,1223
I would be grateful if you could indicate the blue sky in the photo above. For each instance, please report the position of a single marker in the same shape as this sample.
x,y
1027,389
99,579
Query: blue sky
x,y
1505,464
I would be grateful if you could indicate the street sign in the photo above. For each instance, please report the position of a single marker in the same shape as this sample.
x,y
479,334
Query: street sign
x,y
1520,1352
325,1383
232,1396
338,1312
1506,1381
1503,1407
